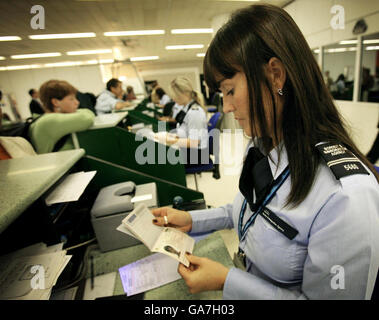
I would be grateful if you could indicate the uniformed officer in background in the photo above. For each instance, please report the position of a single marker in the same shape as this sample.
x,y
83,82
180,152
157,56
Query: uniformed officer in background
x,y
308,206
191,133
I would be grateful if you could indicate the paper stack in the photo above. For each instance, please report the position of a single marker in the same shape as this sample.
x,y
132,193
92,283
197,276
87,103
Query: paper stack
x,y
31,273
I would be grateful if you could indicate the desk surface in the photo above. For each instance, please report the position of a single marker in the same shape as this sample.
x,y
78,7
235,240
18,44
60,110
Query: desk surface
x,y
108,120
24,180
212,247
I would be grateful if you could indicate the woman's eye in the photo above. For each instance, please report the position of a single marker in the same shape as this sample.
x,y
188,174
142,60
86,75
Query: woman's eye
x,y
230,92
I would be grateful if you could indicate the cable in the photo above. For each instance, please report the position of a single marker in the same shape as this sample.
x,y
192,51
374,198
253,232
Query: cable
x,y
81,244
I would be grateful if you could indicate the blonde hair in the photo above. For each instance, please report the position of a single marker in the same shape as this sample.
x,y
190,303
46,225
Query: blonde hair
x,y
182,85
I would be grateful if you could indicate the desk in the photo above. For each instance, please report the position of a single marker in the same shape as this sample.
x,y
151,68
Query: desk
x,y
212,247
118,146
24,180
108,120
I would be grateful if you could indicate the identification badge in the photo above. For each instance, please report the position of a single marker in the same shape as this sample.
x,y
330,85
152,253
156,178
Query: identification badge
x,y
280,225
239,260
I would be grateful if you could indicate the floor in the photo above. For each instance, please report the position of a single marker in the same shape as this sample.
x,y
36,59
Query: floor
x,y
222,191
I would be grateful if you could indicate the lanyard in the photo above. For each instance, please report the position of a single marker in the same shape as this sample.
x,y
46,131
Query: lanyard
x,y
277,183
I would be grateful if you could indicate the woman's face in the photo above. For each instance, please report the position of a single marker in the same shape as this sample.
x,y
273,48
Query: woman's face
x,y
68,104
181,99
236,99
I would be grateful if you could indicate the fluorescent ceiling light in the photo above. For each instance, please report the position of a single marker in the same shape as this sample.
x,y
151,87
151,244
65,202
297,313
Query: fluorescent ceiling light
x,y
84,52
32,66
186,46
373,48
144,58
62,36
57,64
200,55
106,61
368,41
187,31
2,58
133,33
348,42
10,38
36,55
371,41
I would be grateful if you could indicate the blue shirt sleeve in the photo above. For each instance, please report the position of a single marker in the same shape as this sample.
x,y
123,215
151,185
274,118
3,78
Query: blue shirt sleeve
x,y
212,219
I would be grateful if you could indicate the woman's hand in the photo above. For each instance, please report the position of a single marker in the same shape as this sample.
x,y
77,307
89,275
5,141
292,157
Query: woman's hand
x,y
175,218
203,274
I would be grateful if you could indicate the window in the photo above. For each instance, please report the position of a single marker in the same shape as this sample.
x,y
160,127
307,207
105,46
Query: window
x,y
369,82
338,68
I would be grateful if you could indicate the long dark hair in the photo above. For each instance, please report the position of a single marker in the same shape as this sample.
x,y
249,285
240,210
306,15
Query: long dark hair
x,y
246,43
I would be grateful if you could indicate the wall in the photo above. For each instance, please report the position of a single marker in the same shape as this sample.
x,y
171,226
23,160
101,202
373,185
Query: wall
x,y
313,19
18,82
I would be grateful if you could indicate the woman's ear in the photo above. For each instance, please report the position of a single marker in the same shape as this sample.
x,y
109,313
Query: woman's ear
x,y
277,73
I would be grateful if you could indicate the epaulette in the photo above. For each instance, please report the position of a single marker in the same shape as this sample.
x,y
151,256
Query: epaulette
x,y
340,160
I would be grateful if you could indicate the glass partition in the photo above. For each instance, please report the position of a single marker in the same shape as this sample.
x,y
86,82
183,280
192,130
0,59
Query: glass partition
x,y
369,84
338,68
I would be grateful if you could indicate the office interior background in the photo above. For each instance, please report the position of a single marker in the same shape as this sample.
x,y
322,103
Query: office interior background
x,y
141,41
136,42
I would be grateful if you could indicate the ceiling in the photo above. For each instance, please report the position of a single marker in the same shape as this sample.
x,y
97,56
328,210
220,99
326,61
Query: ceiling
x,y
99,16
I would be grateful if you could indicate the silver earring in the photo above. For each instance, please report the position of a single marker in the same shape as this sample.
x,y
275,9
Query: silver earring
x,y
280,92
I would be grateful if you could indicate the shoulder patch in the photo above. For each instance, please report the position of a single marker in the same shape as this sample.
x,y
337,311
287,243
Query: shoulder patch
x,y
340,160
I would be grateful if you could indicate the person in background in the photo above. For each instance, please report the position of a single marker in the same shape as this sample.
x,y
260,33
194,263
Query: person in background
x,y
35,105
191,133
162,96
328,79
110,99
14,147
4,116
341,85
307,210
51,131
130,95
367,83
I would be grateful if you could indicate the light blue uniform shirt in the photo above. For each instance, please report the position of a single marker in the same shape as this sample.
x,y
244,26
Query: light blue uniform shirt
x,y
194,125
338,225
106,102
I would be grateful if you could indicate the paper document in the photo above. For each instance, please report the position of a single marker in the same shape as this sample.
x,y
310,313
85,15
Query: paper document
x,y
169,241
31,273
71,188
148,273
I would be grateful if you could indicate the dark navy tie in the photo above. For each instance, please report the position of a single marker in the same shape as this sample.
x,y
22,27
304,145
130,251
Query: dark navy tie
x,y
256,175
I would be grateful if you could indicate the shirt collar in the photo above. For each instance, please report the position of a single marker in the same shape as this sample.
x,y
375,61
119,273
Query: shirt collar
x,y
273,156
110,93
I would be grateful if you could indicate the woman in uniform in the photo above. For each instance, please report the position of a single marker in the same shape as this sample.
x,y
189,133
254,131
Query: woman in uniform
x,y
191,133
308,203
